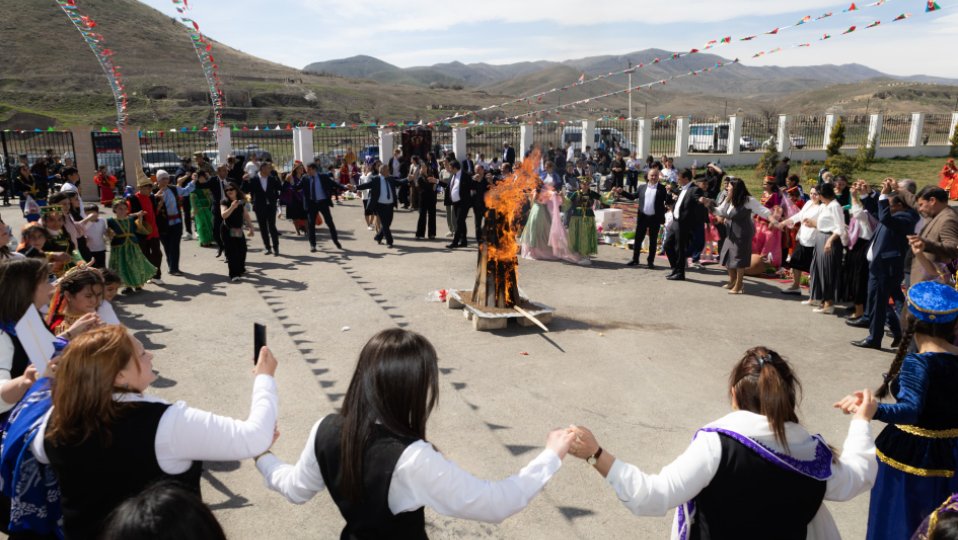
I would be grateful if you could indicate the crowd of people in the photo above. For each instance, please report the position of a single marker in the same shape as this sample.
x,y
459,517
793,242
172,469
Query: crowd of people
x,y
84,445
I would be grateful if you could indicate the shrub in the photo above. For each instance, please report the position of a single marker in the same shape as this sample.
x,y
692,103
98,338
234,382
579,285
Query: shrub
x,y
954,143
836,139
841,165
769,160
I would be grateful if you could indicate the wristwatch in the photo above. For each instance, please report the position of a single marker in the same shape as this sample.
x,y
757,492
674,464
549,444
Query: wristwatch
x,y
594,458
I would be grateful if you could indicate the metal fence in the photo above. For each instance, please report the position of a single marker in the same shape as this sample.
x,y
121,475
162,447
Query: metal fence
x,y
488,140
856,130
756,132
275,145
55,146
663,136
165,149
332,144
108,151
614,134
806,132
895,130
548,136
441,140
935,130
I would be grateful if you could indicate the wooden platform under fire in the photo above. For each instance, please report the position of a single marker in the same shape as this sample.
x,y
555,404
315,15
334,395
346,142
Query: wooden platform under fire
x,y
493,318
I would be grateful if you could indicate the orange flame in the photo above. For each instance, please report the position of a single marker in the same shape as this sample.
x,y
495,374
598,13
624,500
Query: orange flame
x,y
507,198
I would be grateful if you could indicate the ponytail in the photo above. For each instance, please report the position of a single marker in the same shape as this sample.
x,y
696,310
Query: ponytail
x,y
763,383
895,368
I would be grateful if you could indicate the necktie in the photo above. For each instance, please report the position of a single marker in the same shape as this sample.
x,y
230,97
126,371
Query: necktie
x,y
388,192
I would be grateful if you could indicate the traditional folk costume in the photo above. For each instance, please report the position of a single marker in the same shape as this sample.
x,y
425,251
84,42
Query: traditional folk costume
x,y
583,238
918,449
948,509
948,179
735,476
126,257
534,240
202,200
767,240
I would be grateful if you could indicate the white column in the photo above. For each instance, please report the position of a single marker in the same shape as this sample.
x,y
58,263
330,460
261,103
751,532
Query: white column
x,y
874,130
954,122
224,143
459,146
588,134
385,144
734,135
682,127
303,144
917,126
783,141
526,139
132,160
644,140
829,124
84,160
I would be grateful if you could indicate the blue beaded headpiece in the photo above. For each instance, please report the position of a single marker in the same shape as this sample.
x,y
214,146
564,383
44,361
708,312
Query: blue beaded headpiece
x,y
933,302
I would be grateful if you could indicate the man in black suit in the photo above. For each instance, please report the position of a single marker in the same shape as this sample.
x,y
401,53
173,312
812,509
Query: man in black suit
x,y
469,166
217,186
264,188
508,154
886,267
460,189
650,215
687,214
382,197
317,190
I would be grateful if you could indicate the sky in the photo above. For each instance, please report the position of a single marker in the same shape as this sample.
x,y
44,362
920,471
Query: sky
x,y
425,32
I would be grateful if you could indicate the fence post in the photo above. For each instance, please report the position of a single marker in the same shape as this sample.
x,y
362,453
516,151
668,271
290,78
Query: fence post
x,y
588,134
224,144
526,139
85,161
644,138
682,127
874,131
386,145
132,160
734,135
303,144
829,124
917,127
459,146
783,139
951,130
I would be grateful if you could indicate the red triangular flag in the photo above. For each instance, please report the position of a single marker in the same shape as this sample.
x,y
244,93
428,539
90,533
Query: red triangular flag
x,y
932,6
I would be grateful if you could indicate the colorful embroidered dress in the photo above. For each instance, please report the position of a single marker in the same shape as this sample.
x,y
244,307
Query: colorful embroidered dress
x,y
126,258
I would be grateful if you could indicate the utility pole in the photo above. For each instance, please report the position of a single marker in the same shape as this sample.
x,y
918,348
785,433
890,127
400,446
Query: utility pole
x,y
630,90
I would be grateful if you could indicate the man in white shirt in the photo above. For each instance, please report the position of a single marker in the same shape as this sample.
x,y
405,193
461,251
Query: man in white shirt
x,y
686,215
460,193
252,167
650,216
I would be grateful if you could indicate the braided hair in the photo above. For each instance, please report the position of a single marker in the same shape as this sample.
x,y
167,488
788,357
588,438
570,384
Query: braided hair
x,y
945,331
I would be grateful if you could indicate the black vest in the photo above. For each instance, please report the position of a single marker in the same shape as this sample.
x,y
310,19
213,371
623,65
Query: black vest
x,y
17,367
95,479
370,517
751,498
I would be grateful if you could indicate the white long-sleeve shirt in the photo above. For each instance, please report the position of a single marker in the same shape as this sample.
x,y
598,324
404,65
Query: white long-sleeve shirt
x,y
726,209
806,234
683,479
831,220
422,477
185,434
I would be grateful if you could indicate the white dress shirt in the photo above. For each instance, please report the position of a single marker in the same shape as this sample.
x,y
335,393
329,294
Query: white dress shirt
x,y
726,209
683,479
385,191
454,186
94,232
806,234
831,220
678,204
648,205
251,169
422,477
185,434
263,182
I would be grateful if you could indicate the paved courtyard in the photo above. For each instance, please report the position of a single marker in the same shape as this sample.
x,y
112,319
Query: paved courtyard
x,y
641,361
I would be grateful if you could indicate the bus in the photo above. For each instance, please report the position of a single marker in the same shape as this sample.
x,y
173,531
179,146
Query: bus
x,y
708,137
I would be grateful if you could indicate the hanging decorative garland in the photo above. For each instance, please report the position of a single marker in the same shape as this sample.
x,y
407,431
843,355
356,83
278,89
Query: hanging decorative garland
x,y
204,52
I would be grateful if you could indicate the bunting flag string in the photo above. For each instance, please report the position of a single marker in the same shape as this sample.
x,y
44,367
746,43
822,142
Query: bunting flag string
x,y
204,52
808,19
104,56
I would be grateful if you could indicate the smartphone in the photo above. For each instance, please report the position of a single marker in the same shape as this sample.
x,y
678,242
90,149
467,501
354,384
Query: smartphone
x,y
259,339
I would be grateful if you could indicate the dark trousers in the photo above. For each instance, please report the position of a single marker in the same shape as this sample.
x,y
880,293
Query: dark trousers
x,y
319,207
385,213
266,218
479,212
462,212
427,216
404,196
645,224
171,246
99,259
697,243
676,246
151,249
882,283
235,253
187,214
218,228
632,180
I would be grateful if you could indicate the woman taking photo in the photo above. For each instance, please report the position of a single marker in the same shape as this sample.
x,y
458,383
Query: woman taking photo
x,y
737,209
918,449
377,463
235,217
107,441
754,473
827,261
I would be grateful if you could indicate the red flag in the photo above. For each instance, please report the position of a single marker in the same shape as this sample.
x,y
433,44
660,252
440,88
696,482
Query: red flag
x,y
772,32
849,31
852,7
932,6
873,25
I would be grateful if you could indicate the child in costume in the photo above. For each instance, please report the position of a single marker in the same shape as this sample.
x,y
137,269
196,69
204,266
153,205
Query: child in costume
x,y
583,238
79,292
201,200
534,240
126,257
948,179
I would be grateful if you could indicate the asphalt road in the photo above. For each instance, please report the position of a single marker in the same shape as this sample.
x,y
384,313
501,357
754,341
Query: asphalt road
x,y
641,361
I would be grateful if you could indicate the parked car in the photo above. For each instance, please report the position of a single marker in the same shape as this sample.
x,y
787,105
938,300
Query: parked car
x,y
154,160
797,141
747,144
708,137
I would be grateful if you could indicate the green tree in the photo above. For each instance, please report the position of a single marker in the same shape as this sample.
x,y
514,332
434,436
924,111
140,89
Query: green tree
x,y
954,143
768,161
836,139
866,154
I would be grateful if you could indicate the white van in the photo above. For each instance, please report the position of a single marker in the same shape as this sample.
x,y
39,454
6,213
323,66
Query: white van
x,y
708,137
572,136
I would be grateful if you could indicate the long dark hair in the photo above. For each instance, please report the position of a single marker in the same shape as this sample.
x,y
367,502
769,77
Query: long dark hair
x,y
240,196
18,281
763,383
738,192
396,384
945,331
